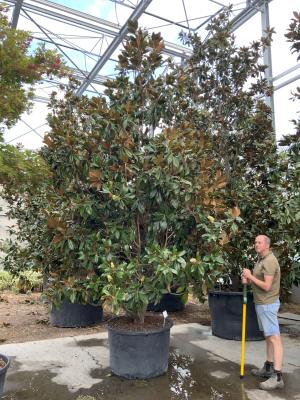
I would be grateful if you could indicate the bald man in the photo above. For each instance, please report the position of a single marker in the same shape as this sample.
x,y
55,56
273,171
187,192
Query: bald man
x,y
265,282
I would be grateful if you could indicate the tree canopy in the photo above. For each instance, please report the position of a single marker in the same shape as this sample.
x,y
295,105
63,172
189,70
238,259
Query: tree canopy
x,y
21,67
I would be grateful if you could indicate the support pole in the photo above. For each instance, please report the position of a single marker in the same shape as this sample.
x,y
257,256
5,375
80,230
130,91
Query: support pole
x,y
265,23
243,330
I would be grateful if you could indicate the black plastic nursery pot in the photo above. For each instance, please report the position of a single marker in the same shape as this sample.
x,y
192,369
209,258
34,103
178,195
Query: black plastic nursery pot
x,y
169,302
139,354
3,371
226,315
75,315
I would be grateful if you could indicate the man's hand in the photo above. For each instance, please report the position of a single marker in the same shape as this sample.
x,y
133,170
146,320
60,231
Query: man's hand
x,y
245,279
247,273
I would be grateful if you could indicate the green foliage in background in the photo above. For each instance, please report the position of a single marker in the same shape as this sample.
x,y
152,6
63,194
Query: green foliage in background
x,y
6,280
19,66
26,181
23,282
27,281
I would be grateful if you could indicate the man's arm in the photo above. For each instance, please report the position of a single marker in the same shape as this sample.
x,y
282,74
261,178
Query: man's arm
x,y
265,284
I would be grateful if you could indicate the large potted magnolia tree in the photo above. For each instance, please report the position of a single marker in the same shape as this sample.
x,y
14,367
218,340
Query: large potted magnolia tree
x,y
259,184
134,189
230,85
26,185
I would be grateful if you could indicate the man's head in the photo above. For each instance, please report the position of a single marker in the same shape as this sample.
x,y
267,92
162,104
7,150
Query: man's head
x,y
262,245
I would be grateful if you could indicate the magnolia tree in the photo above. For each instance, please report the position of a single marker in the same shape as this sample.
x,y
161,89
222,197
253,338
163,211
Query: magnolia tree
x,y
130,204
288,199
152,180
24,178
261,184
220,91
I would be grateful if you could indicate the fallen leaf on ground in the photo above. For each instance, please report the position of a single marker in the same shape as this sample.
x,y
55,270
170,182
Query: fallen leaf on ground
x,y
42,321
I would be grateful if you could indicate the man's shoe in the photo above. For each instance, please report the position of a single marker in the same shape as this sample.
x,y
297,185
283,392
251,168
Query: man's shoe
x,y
265,372
272,383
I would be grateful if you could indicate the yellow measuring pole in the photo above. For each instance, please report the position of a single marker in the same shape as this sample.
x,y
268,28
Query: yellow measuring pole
x,y
243,330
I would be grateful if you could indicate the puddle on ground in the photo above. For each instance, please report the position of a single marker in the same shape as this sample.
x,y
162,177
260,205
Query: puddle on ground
x,y
92,342
201,377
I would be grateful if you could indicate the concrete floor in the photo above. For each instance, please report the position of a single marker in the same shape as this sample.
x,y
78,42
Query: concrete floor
x,y
201,366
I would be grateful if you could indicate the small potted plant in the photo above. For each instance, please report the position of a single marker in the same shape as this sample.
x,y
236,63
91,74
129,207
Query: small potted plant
x,y
4,365
77,304
169,302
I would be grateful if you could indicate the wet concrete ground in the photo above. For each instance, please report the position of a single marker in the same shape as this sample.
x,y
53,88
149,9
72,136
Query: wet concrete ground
x,y
201,366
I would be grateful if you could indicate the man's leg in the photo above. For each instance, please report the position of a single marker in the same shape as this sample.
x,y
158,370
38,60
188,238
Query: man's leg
x,y
269,349
267,318
267,369
275,349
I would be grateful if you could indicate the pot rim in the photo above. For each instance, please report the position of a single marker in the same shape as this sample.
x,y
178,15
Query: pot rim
x,y
225,292
6,360
167,327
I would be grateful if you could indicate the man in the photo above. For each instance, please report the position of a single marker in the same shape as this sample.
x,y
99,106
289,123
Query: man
x,y
265,281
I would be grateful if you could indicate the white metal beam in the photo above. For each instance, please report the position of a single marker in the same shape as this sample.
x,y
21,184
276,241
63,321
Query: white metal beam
x,y
286,72
84,21
287,82
138,11
252,8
